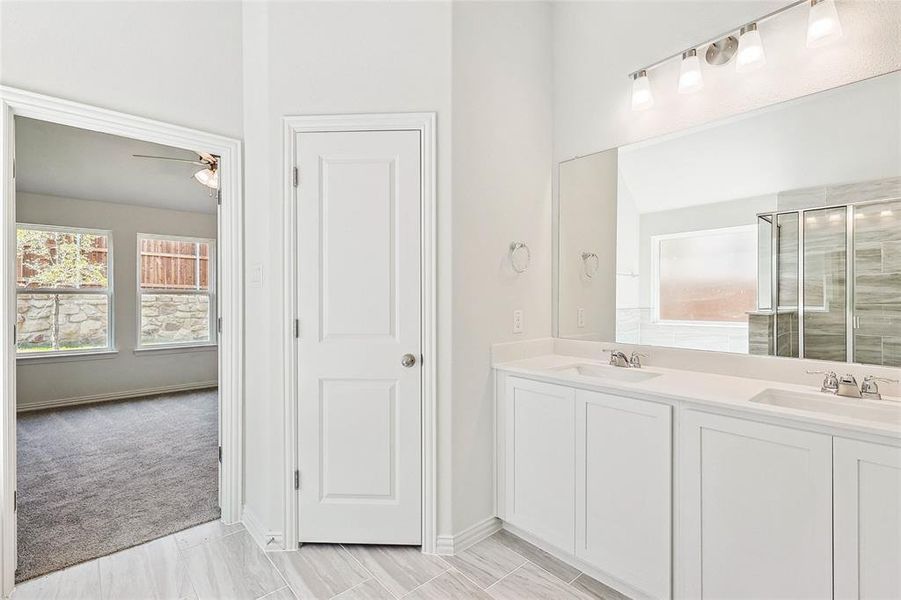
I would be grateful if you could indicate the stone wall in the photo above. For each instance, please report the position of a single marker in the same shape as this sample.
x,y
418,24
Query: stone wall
x,y
79,321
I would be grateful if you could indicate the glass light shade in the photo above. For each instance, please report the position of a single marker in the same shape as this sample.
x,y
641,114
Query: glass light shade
x,y
690,78
208,177
750,52
823,25
641,92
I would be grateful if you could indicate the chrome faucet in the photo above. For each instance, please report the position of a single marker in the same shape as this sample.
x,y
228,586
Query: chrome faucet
x,y
830,381
635,359
870,389
618,358
847,387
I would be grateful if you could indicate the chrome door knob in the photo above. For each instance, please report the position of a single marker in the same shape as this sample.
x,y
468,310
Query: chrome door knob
x,y
408,360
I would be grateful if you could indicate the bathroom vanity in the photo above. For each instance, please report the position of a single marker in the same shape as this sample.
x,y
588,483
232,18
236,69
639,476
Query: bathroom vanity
x,y
670,483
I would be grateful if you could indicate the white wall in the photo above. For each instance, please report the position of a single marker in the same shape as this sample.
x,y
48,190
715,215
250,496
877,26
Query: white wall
x,y
502,136
42,380
317,58
597,45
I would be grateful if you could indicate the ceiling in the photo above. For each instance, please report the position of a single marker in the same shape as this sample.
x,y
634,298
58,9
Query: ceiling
x,y
58,160
848,134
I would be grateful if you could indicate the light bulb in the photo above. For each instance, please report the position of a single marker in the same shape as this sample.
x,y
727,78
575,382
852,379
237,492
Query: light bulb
x,y
641,91
750,50
690,78
208,177
823,25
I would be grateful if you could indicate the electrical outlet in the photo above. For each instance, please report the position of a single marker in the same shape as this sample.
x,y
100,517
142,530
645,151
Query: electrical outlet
x,y
580,317
517,321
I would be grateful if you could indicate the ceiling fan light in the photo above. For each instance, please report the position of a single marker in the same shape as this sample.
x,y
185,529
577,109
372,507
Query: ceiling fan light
x,y
208,177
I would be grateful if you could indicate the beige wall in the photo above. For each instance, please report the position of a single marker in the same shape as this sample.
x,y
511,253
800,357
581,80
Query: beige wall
x,y
44,380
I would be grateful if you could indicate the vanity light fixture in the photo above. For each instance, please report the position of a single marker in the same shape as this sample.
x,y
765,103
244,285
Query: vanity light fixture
x,y
750,50
690,78
823,25
642,97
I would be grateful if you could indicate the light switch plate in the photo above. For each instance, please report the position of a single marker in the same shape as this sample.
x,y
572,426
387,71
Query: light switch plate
x,y
517,321
580,317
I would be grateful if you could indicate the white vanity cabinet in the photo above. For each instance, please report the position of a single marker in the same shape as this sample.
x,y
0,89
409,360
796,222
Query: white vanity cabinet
x,y
756,509
539,437
623,489
867,505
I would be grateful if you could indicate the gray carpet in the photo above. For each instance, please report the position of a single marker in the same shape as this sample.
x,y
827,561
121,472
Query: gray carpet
x,y
99,478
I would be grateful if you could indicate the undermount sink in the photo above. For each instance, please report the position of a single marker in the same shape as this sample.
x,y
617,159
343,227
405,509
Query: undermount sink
x,y
604,372
881,411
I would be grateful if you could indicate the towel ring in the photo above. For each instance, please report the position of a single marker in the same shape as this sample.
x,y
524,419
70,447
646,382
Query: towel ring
x,y
520,256
591,263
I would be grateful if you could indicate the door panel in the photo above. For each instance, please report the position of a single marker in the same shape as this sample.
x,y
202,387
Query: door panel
x,y
359,307
623,489
867,498
756,504
540,458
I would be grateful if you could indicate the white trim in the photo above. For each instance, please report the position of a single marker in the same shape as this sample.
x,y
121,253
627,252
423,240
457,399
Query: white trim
x,y
425,123
123,395
24,358
449,545
15,102
267,540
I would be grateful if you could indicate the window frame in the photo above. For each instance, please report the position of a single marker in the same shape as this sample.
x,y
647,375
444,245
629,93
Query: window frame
x,y
211,292
655,274
109,292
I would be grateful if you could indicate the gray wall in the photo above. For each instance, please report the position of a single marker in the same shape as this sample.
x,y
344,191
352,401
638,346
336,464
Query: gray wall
x,y
47,380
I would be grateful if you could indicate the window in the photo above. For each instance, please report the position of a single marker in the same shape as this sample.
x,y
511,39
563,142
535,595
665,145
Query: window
x,y
706,277
64,296
176,291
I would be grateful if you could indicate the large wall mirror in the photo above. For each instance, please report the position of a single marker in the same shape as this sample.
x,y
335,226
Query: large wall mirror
x,y
777,232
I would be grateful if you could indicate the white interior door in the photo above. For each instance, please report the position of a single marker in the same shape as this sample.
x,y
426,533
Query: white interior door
x,y
359,350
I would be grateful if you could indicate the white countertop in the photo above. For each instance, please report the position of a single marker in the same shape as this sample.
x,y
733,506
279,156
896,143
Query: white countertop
x,y
695,387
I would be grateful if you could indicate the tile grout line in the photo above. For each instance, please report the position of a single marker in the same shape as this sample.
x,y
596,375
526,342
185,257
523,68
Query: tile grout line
x,y
425,582
275,568
476,583
507,575
528,560
364,582
371,574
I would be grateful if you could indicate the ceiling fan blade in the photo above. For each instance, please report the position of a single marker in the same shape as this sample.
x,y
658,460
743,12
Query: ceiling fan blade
x,y
186,160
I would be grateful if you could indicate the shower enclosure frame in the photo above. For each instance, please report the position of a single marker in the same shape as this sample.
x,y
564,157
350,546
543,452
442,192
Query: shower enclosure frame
x,y
851,319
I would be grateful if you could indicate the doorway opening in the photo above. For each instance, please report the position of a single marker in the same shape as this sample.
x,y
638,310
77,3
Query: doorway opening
x,y
121,403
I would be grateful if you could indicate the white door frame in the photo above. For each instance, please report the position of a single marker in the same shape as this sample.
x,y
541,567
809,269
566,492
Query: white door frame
x,y
16,102
424,123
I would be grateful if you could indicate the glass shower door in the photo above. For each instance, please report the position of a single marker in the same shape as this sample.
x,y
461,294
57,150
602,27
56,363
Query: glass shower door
x,y
825,293
877,283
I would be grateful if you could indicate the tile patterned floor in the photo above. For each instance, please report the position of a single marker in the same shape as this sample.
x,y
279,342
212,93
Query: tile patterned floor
x,y
222,562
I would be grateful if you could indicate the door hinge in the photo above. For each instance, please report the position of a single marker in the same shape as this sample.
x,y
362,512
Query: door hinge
x,y
14,167
219,324
421,359
297,328
296,480
15,335
15,500
219,197
220,453
296,177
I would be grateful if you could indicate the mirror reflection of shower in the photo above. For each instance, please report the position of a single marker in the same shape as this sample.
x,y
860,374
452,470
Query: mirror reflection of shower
x,y
806,307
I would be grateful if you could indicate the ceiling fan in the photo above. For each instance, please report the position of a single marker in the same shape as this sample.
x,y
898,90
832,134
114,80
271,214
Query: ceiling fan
x,y
208,175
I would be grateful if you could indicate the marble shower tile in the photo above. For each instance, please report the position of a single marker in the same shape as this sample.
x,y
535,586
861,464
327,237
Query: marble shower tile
x,y
486,562
548,562
231,567
319,571
398,568
151,571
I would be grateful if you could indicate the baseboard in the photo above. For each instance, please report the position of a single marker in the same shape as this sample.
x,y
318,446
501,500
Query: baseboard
x,y
448,545
571,560
75,400
265,539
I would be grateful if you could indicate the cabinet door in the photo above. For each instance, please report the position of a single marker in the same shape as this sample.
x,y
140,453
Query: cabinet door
x,y
540,460
623,489
867,504
756,510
